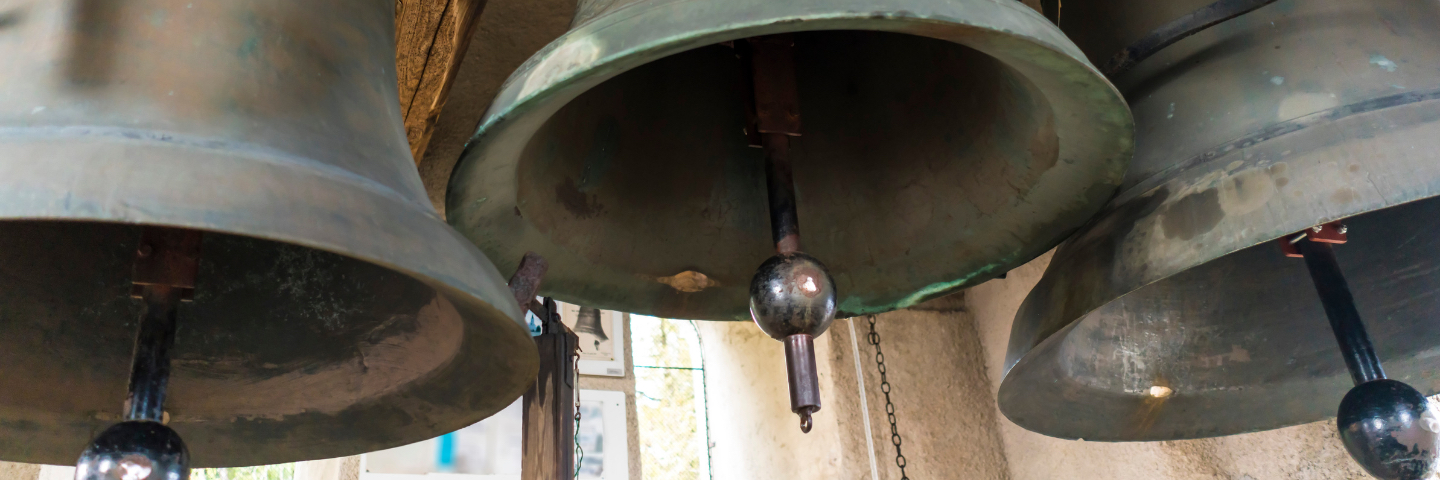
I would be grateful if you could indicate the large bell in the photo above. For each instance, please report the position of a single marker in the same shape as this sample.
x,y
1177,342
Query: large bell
x,y
332,311
1175,314
943,142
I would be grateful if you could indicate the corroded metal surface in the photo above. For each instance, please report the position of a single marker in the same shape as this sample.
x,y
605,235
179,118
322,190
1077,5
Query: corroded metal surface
x,y
944,143
1297,114
334,313
527,278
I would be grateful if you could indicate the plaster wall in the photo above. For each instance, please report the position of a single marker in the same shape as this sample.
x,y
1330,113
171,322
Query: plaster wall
x,y
343,468
753,434
19,471
933,363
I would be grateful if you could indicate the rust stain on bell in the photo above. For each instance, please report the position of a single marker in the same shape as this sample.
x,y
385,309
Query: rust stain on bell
x,y
576,202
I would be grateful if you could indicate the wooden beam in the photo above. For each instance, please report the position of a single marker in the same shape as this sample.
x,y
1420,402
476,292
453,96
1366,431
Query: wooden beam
x,y
548,441
430,38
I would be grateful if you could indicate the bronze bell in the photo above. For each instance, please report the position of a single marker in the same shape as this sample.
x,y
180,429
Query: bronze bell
x,y
316,303
939,144
588,321
1176,313
925,146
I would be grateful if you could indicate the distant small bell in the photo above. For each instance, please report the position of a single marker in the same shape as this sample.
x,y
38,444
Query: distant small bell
x,y
589,322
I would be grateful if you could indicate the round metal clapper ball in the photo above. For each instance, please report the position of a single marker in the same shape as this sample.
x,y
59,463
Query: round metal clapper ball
x,y
792,294
1390,430
135,450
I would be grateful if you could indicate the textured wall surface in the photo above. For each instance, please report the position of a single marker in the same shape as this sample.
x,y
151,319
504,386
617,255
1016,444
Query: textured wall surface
x,y
18,471
935,369
343,468
753,432
938,387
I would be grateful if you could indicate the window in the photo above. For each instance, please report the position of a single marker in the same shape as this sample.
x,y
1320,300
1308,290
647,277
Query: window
x,y
670,399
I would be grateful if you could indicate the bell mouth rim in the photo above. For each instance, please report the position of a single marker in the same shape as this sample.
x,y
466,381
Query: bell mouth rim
x,y
1136,217
112,179
575,63
1140,402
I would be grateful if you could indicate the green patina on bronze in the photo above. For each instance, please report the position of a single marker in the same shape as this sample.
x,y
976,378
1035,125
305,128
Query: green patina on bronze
x,y
1180,282
334,312
943,142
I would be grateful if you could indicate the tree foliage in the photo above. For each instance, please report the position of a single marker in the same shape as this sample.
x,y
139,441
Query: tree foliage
x,y
666,402
284,471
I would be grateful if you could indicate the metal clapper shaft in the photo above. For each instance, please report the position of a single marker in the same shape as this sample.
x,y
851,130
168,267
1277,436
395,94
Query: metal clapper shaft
x,y
1382,422
166,264
775,118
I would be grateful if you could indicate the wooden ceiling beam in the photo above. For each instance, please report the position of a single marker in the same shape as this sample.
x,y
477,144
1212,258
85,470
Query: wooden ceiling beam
x,y
430,37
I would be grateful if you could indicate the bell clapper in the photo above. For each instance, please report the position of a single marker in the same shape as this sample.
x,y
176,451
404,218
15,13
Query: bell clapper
x,y
1386,425
142,447
792,297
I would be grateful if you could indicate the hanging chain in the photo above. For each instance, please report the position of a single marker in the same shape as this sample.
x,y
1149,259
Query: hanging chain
x,y
874,339
579,451
573,381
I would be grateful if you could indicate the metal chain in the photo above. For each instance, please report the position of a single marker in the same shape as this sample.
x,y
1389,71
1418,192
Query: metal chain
x,y
579,451
874,339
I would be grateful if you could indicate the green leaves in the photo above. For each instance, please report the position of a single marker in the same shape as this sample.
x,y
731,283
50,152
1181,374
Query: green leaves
x,y
284,471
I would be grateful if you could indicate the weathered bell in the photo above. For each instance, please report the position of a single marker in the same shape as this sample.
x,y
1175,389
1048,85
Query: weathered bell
x,y
935,144
1175,313
318,305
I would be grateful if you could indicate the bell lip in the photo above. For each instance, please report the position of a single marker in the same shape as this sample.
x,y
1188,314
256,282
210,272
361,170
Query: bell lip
x,y
519,109
89,169
1025,369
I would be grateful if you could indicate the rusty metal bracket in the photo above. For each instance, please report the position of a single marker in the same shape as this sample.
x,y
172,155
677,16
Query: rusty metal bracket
x,y
743,51
167,260
772,64
525,282
168,257
1333,232
776,109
